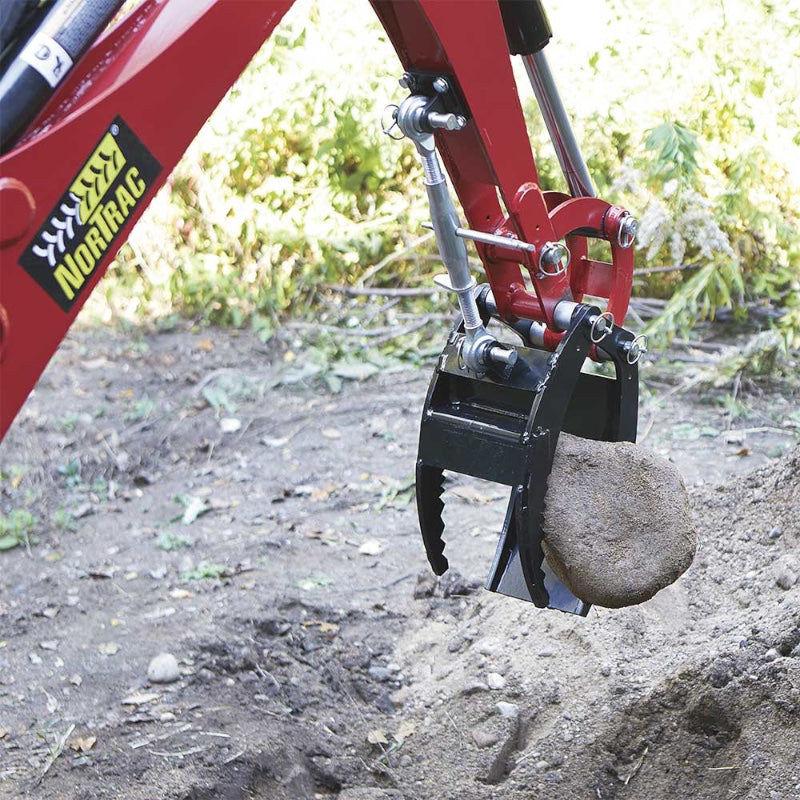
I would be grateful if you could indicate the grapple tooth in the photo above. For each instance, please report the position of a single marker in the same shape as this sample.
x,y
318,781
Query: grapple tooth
x,y
430,486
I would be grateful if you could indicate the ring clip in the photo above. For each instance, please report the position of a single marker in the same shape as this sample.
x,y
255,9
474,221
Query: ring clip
x,y
387,128
602,325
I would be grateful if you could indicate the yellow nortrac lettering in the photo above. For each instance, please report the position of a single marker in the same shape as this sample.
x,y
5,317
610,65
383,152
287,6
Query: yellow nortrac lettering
x,y
106,220
69,277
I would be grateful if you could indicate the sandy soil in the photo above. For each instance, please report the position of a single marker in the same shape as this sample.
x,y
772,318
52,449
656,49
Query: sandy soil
x,y
266,536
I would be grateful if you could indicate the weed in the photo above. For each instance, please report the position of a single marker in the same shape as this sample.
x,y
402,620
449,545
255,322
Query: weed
x,y
205,572
71,472
14,473
100,489
69,421
286,192
63,520
15,529
143,408
172,541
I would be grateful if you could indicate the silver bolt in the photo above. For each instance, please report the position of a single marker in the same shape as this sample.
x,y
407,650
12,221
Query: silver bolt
x,y
502,355
628,229
448,122
405,81
440,85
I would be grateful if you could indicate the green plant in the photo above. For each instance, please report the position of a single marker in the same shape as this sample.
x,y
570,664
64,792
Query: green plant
x,y
71,472
63,520
205,572
172,541
143,408
15,528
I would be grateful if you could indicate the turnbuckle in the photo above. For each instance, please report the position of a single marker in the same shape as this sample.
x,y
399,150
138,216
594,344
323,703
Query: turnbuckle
x,y
433,105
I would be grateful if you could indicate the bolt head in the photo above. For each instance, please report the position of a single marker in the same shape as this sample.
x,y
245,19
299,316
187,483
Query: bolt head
x,y
440,85
405,81
628,229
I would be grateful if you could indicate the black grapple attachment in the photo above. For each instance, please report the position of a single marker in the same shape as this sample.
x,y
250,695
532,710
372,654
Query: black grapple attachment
x,y
504,427
495,411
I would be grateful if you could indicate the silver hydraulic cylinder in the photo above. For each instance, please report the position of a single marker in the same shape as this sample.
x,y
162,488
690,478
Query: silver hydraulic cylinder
x,y
558,125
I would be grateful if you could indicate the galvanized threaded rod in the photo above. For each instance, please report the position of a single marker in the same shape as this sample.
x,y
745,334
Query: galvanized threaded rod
x,y
478,347
416,122
452,248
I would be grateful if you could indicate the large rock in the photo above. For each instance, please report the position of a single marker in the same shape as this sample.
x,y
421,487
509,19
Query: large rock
x,y
617,526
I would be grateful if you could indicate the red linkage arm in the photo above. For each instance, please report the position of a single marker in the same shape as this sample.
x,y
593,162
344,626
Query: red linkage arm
x,y
491,161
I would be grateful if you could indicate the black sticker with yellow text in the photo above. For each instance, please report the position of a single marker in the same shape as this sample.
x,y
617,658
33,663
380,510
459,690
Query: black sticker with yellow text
x,y
88,218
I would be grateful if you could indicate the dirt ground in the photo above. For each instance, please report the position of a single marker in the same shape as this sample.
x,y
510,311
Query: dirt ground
x,y
266,536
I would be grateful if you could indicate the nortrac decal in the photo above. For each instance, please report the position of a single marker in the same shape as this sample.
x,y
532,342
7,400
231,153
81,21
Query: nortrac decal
x,y
90,214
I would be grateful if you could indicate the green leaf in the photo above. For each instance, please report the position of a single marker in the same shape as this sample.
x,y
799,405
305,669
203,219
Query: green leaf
x,y
313,582
354,372
9,542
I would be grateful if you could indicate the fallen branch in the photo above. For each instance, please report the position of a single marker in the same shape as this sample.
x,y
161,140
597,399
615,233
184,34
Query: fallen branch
x,y
657,270
709,347
382,334
366,291
392,257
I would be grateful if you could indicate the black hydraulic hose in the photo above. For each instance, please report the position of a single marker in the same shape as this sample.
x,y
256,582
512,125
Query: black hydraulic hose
x,y
47,57
18,19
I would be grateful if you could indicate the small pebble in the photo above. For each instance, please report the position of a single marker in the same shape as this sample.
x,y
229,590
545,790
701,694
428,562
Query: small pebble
x,y
484,738
776,533
786,580
473,687
495,680
509,710
379,673
771,654
163,669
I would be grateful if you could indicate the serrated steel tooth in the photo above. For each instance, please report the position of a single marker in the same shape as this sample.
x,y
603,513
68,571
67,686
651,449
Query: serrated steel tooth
x,y
430,487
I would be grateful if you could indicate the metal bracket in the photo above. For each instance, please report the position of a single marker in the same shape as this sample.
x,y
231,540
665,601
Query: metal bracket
x,y
442,89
